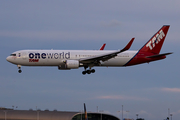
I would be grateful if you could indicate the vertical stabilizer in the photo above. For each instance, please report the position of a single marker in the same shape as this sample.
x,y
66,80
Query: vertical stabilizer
x,y
155,43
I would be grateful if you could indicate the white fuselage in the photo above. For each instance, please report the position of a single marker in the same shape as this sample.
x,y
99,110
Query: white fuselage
x,y
56,57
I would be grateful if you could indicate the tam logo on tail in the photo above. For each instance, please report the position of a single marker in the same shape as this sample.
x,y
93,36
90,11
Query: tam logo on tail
x,y
155,43
155,40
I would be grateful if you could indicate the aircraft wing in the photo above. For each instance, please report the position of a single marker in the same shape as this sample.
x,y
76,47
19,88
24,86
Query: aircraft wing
x,y
102,57
105,57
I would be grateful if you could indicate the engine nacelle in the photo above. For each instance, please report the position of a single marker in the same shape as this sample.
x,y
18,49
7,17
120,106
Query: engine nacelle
x,y
69,64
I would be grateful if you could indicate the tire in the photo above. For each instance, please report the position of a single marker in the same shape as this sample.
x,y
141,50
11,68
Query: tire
x,y
88,72
93,70
83,72
19,71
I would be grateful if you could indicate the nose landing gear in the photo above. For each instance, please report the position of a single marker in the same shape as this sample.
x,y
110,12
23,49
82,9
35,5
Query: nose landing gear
x,y
19,67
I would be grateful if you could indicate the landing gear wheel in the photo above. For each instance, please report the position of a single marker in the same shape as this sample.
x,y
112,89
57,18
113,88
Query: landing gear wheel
x,y
19,67
93,71
19,71
83,72
88,72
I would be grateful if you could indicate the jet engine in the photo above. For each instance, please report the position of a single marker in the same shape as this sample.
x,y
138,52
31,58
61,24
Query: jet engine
x,y
69,64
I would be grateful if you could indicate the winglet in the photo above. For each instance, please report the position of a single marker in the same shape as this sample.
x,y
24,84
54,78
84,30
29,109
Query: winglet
x,y
128,45
85,113
102,47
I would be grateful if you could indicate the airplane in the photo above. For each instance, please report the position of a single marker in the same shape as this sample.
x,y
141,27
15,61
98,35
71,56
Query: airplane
x,y
73,59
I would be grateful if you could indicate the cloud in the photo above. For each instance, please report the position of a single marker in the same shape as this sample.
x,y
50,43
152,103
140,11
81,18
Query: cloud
x,y
112,23
144,112
176,113
34,34
63,35
119,97
174,90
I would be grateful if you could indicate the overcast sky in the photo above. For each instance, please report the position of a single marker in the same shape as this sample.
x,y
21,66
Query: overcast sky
x,y
146,89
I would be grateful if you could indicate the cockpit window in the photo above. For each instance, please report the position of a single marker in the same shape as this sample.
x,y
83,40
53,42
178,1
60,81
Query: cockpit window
x,y
13,55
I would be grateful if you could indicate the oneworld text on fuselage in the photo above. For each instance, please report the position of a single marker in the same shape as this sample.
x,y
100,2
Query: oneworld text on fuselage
x,y
61,55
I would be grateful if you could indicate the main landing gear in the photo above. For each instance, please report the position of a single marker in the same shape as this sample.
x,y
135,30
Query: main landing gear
x,y
88,71
19,67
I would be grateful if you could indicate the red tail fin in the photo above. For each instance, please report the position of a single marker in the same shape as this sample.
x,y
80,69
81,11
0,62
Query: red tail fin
x,y
102,47
155,43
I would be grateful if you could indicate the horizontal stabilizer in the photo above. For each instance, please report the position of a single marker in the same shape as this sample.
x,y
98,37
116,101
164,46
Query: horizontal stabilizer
x,y
159,55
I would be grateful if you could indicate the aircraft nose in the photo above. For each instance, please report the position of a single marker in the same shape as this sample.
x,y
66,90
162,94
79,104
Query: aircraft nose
x,y
8,59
